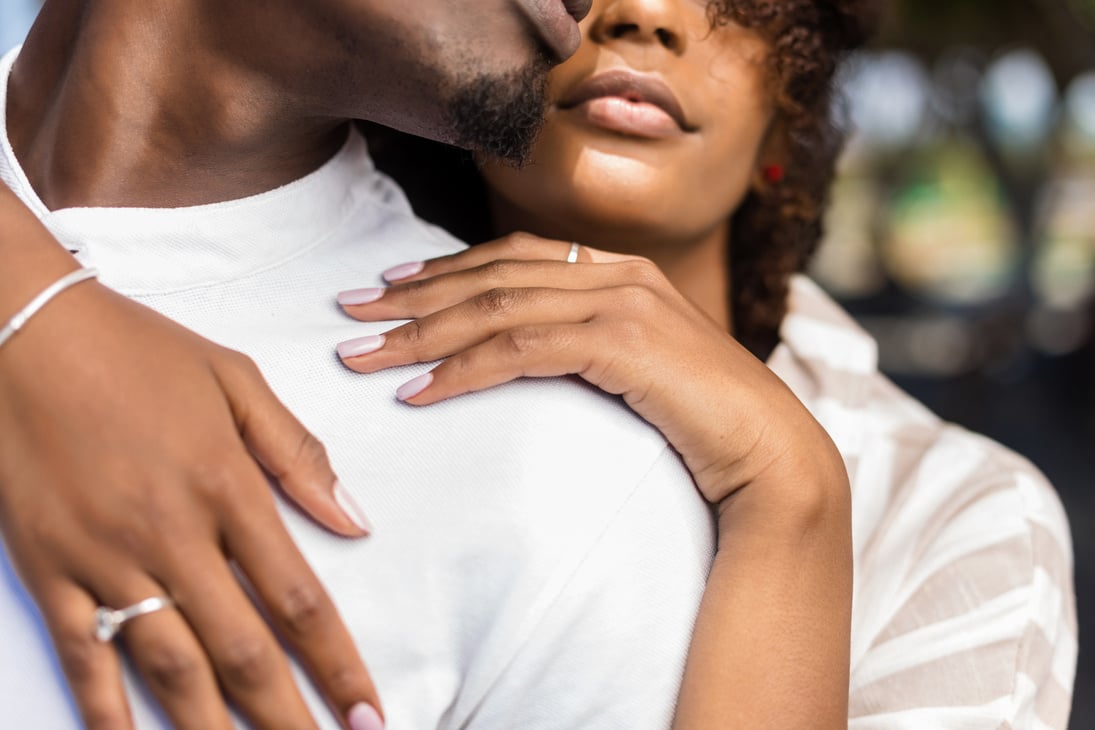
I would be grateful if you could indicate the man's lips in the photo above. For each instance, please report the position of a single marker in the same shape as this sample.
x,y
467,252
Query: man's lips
x,y
578,9
556,22
629,102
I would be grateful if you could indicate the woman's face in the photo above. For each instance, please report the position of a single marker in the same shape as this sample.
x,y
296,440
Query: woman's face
x,y
653,133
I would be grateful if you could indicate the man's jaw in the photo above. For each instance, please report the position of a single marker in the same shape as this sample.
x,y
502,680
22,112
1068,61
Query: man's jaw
x,y
499,116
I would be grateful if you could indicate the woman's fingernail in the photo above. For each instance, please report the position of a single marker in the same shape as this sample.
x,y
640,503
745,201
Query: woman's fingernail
x,y
413,387
360,346
403,271
351,297
349,507
364,716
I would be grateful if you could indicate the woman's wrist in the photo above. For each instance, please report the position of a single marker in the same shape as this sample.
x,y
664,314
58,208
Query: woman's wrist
x,y
803,491
30,257
16,323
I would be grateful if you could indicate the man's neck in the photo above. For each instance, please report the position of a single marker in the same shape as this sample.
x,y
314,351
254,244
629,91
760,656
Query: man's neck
x,y
136,104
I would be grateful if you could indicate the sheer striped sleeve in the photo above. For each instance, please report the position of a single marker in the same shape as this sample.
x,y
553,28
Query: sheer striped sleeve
x,y
974,625
964,610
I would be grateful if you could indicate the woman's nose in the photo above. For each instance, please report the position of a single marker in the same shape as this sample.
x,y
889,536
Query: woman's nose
x,y
639,21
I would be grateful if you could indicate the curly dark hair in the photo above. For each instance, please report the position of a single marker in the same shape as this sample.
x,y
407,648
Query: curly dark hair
x,y
777,228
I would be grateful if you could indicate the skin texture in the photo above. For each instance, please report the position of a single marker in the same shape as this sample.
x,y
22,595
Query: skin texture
x,y
266,111
172,103
771,647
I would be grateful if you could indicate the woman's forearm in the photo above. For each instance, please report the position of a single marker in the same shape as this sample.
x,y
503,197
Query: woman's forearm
x,y
30,258
772,641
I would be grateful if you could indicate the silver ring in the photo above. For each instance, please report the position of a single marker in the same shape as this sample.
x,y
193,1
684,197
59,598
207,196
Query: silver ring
x,y
109,621
572,257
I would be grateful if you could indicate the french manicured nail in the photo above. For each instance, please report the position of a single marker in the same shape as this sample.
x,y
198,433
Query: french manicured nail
x,y
413,387
350,508
364,716
350,297
403,271
360,346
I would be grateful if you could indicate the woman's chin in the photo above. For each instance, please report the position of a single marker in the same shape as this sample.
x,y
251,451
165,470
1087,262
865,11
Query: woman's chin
x,y
594,195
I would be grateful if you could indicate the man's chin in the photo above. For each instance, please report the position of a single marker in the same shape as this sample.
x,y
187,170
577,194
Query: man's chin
x,y
499,116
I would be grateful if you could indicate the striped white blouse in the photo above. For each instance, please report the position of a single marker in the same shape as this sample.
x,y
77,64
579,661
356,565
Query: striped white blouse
x,y
964,608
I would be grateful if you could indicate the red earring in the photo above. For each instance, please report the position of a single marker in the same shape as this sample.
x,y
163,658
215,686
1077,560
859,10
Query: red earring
x,y
773,174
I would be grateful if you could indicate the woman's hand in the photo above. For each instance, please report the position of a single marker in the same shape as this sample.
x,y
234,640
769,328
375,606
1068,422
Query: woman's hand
x,y
515,307
771,643
128,470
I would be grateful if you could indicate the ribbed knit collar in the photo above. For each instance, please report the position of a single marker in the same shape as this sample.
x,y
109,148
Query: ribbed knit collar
x,y
216,242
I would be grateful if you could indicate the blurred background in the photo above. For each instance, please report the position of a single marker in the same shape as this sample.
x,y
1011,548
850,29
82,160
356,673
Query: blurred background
x,y
962,233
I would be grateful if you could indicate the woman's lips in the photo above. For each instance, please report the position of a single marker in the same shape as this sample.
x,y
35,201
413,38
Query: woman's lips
x,y
615,114
630,103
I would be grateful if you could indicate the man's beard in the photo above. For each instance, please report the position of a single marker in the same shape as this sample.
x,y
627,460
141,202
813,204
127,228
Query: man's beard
x,y
500,116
